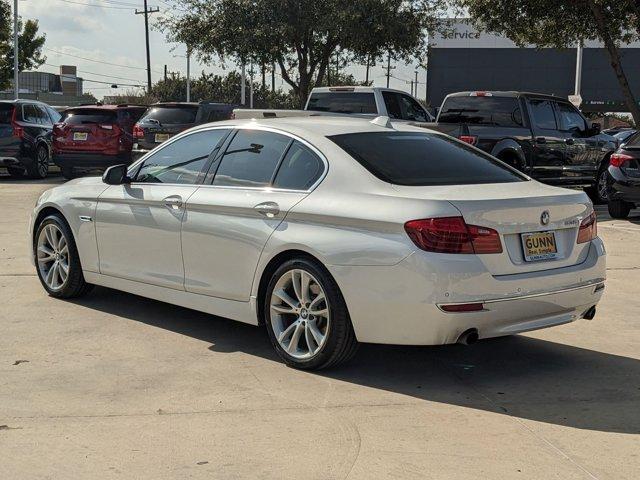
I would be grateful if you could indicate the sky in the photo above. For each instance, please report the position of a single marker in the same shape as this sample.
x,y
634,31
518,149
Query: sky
x,y
107,32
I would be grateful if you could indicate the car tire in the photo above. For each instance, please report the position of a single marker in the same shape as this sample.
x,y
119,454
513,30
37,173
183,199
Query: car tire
x,y
68,173
16,172
53,249
303,304
39,169
619,208
599,192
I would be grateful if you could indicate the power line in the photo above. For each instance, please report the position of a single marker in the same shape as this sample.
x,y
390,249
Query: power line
x,y
99,74
96,5
146,13
96,61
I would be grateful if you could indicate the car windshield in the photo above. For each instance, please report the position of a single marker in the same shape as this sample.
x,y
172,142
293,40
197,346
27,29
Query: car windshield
x,y
6,112
172,114
88,115
420,159
479,110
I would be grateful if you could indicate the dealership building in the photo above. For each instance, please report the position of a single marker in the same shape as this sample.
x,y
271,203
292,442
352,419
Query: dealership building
x,y
464,59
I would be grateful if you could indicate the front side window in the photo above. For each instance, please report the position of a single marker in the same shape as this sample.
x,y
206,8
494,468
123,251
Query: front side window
x,y
411,109
542,114
251,159
300,168
570,118
181,161
343,102
420,159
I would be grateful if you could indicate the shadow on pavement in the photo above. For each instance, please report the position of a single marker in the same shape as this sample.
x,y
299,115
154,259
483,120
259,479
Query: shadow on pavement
x,y
518,376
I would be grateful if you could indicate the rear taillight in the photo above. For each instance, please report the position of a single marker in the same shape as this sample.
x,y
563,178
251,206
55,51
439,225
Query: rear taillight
x,y
18,131
452,235
470,139
588,229
619,159
138,132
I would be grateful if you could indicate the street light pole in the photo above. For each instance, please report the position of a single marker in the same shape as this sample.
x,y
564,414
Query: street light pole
x,y
16,87
188,74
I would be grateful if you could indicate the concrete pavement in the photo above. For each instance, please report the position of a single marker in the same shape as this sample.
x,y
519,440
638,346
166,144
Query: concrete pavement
x,y
118,386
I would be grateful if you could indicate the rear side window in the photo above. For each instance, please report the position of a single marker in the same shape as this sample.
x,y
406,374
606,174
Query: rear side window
x,y
34,114
181,161
342,102
542,114
170,115
300,169
420,159
54,114
497,111
6,113
88,115
251,159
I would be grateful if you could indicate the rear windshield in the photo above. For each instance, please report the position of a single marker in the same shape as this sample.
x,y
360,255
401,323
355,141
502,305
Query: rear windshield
x,y
6,112
419,159
88,115
172,115
498,111
342,102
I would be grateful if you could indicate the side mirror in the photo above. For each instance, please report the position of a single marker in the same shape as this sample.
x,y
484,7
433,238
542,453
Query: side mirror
x,y
116,175
595,129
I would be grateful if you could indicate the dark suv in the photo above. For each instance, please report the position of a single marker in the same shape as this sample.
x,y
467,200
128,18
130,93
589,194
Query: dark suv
x,y
93,137
163,120
25,137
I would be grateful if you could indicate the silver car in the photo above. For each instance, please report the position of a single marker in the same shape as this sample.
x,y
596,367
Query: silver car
x,y
329,232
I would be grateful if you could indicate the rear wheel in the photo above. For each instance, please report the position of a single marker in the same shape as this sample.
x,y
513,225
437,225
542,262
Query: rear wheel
x,y
57,261
619,208
601,188
307,318
40,167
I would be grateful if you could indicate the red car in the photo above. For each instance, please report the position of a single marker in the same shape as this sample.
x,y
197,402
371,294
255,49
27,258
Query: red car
x,y
93,137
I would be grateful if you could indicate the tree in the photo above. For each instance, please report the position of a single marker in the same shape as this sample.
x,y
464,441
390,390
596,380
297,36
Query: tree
x,y
300,36
29,44
562,24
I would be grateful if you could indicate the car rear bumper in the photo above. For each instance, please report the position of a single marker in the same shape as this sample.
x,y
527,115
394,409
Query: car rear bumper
x,y
89,160
622,187
402,304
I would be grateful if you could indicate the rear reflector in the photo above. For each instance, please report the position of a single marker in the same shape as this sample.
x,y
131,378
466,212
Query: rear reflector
x,y
452,235
588,229
619,159
463,307
342,89
470,139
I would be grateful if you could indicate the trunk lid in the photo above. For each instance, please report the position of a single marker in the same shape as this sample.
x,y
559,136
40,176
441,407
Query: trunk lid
x,y
88,130
514,209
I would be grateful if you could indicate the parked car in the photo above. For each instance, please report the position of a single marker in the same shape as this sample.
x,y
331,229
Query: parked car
x,y
25,137
624,135
614,130
93,137
163,120
367,102
624,178
329,231
543,136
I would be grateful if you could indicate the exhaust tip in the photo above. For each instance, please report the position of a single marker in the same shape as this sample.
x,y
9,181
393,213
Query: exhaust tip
x,y
468,337
589,314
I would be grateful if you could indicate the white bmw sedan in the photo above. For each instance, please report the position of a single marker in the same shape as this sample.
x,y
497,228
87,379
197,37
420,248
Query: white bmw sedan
x,y
329,232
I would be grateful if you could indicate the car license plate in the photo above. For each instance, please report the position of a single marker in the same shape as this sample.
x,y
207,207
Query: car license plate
x,y
162,137
539,246
79,136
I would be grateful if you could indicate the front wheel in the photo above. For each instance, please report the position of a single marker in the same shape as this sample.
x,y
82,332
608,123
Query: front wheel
x,y
307,318
57,261
601,188
619,208
39,169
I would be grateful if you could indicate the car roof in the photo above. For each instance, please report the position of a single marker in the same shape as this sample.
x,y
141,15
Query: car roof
x,y
321,125
22,100
507,93
355,88
104,107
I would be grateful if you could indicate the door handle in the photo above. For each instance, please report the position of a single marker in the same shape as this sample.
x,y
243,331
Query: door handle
x,y
569,141
174,202
541,140
269,209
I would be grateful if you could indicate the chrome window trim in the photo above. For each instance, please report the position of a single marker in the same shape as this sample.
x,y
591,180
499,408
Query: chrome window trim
x,y
309,145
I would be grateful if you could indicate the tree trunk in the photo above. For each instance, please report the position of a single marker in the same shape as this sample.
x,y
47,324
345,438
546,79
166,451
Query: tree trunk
x,y
614,59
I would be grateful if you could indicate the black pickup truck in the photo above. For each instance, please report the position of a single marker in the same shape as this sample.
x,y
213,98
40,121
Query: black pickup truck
x,y
542,135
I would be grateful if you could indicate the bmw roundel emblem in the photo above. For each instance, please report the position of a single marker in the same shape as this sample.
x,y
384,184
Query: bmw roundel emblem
x,y
544,218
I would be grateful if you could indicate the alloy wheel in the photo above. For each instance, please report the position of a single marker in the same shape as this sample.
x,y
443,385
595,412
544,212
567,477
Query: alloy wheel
x,y
52,253
43,162
300,316
602,185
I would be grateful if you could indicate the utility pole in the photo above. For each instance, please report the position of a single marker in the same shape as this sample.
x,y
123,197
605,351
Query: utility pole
x,y
146,13
251,85
188,74
16,86
243,81
273,76
389,68
165,72
366,78
578,69
415,93
412,88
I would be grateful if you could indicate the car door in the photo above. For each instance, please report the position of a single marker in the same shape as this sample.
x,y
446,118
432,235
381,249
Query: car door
x,y
581,152
548,145
138,224
261,175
